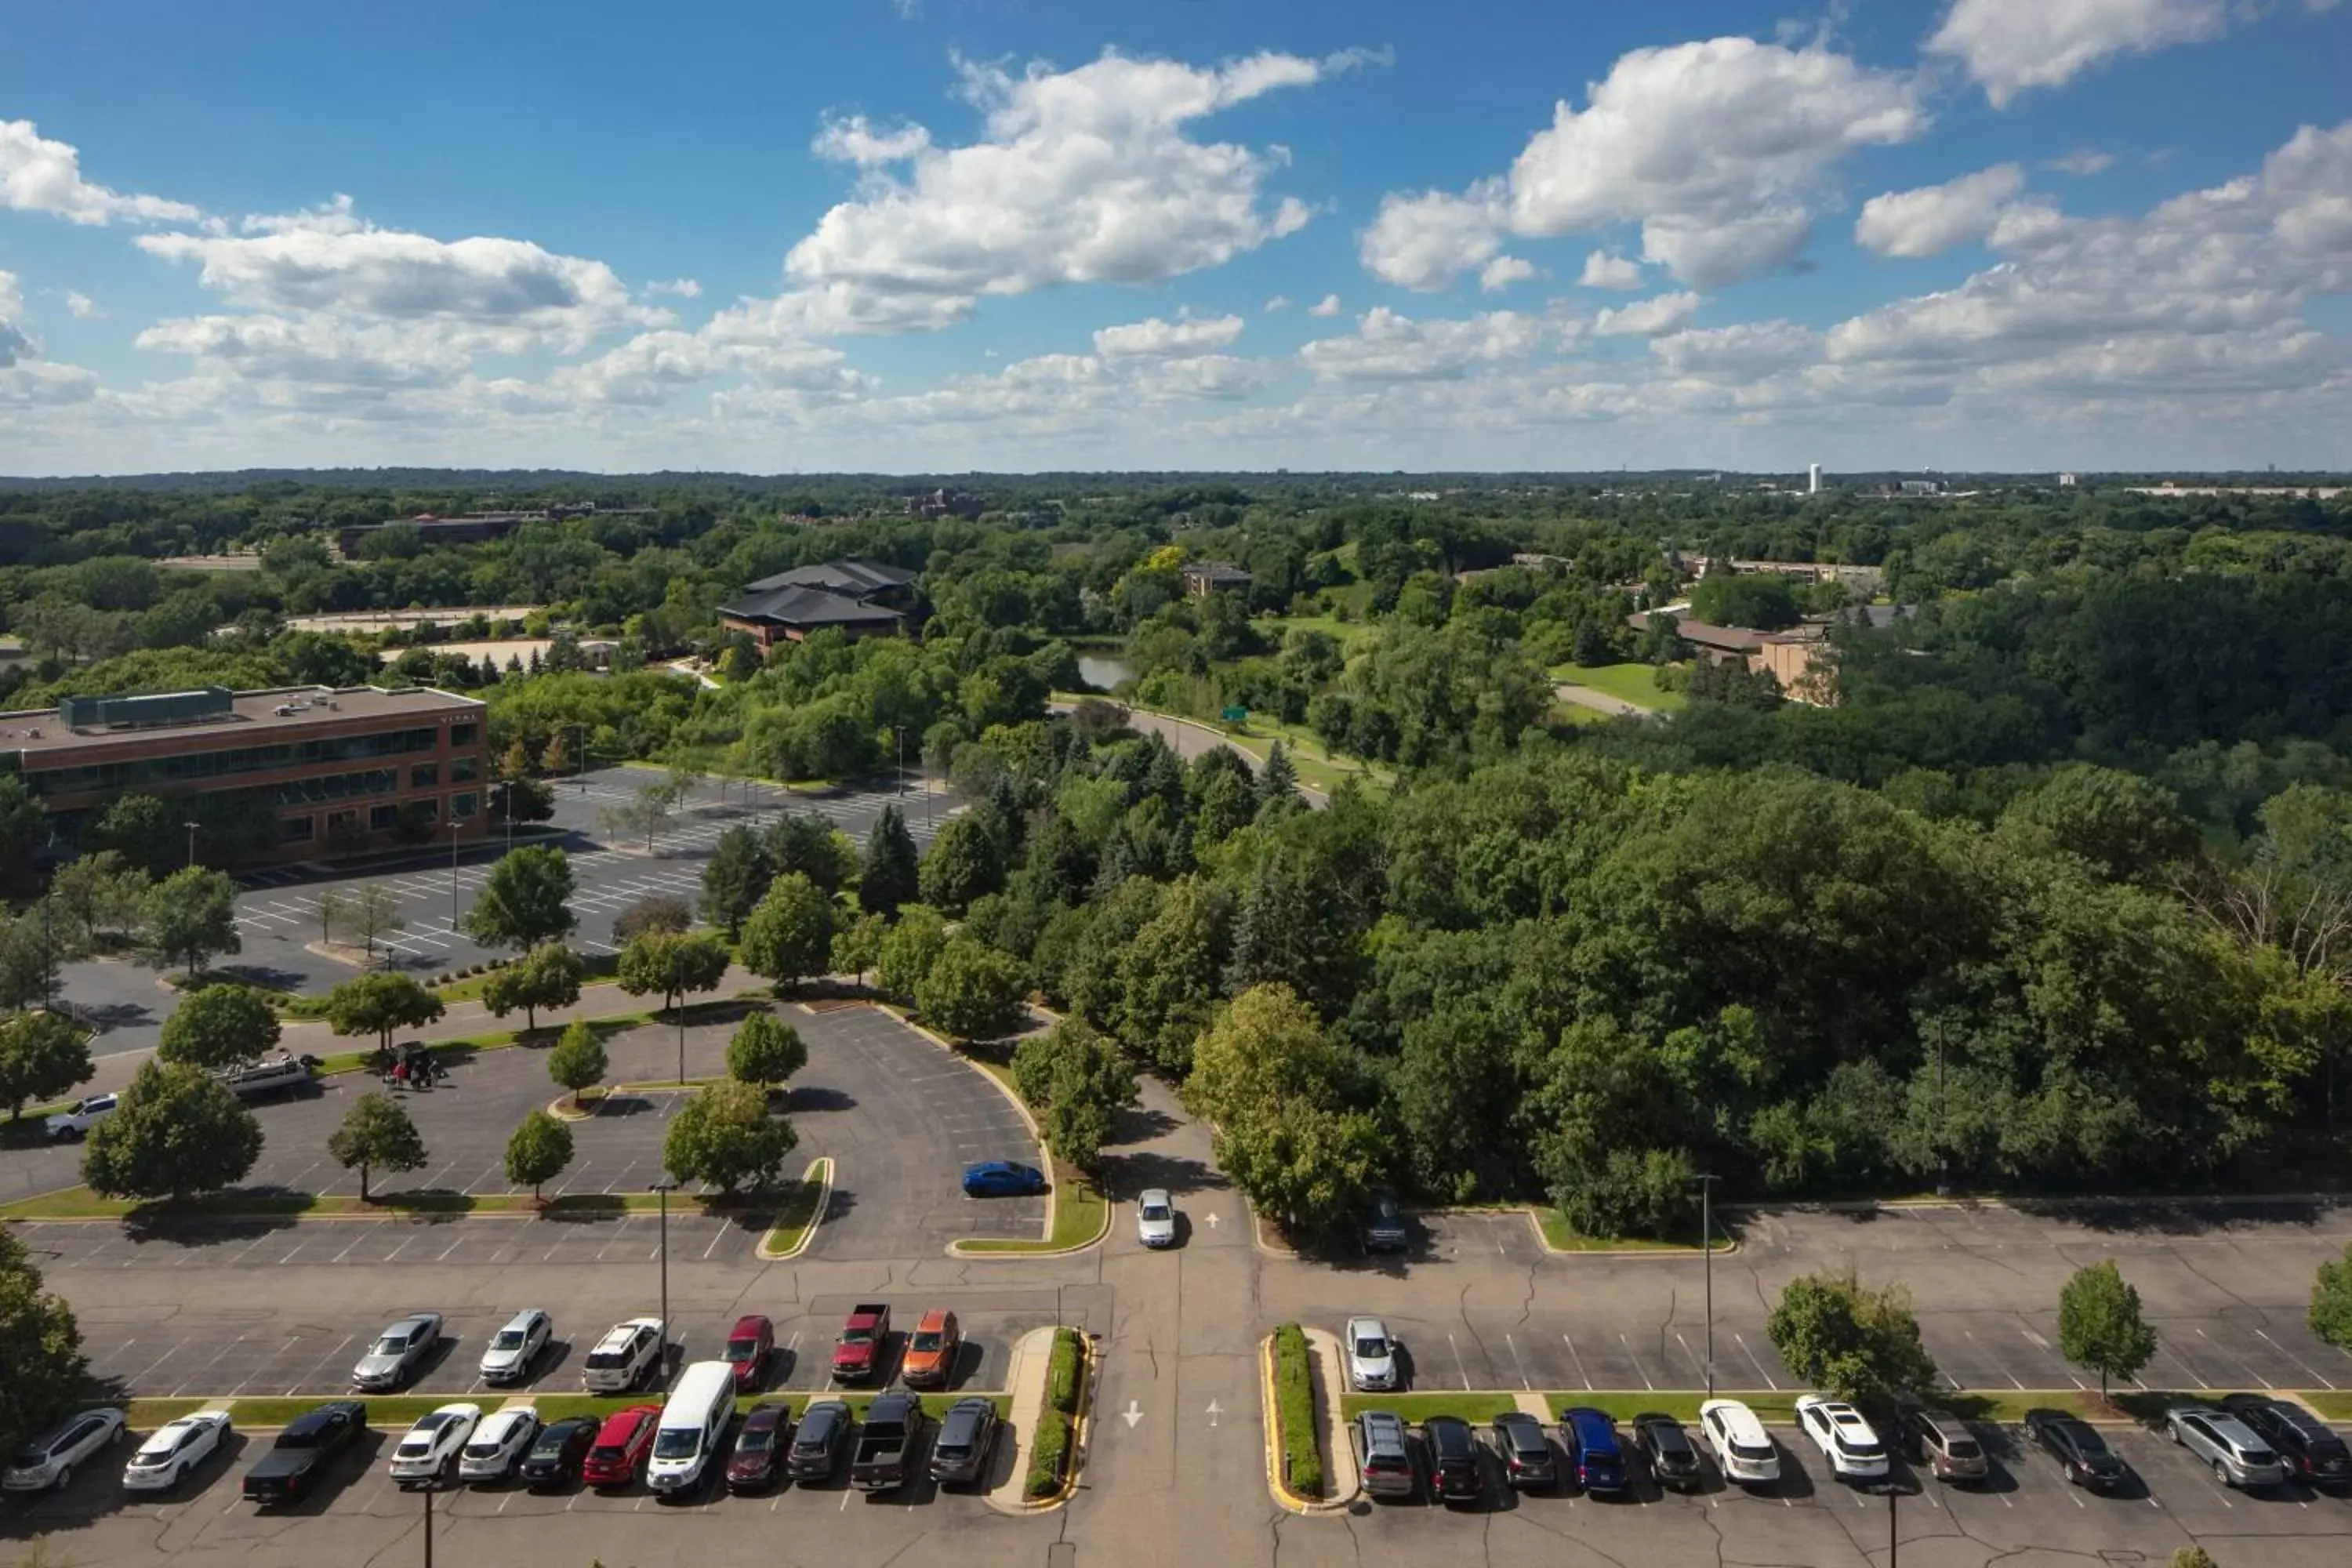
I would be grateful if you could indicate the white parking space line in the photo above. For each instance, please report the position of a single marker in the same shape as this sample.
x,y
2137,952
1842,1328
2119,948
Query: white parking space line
x,y
1637,1364
1582,1374
209,1365
1516,1361
2252,1379
2297,1360
1750,1354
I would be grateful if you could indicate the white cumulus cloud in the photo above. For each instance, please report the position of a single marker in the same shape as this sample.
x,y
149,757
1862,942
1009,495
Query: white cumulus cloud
x,y
1079,176
1606,270
1934,218
1425,241
37,174
1504,270
80,306
1279,303
1156,339
682,288
1387,346
1648,318
2010,45
1327,306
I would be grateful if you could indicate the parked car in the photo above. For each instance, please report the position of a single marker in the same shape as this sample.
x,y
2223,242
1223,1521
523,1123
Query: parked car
x,y
429,1449
1384,1228
1942,1441
304,1450
173,1449
1526,1453
931,1351
1673,1459
2305,1443
1846,1440
858,1348
692,1427
1155,1218
516,1347
1371,1356
967,1435
757,1462
628,1354
816,1453
49,1460
619,1447
1002,1179
398,1351
1743,1449
2238,1456
1453,1466
559,1450
893,1426
76,1119
1384,1455
1596,1460
2080,1451
499,1445
748,1346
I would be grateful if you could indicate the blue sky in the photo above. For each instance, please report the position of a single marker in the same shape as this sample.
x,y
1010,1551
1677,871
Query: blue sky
x,y
980,234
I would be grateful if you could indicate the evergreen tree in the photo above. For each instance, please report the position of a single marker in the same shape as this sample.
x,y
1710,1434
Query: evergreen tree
x,y
1277,780
966,861
890,876
734,880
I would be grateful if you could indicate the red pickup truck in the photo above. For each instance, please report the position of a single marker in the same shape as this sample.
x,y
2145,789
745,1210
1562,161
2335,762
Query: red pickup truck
x,y
857,1353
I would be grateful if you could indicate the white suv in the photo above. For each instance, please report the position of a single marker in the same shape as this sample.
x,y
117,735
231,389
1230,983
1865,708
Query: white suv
x,y
49,1460
173,1449
623,1358
1741,1447
515,1346
1844,1438
427,1449
498,1444
76,1119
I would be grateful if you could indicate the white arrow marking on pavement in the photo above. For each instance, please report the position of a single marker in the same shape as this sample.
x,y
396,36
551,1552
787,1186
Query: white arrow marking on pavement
x,y
1213,1413
1133,1413
1212,1222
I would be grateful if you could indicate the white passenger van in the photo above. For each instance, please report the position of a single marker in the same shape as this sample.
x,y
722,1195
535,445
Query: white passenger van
x,y
692,1423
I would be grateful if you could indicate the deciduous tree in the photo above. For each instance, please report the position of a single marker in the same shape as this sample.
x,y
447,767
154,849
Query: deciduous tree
x,y
857,946
1848,1341
377,1136
526,900
971,992
371,912
578,1061
1077,1082
2331,1301
192,918
40,1345
662,912
538,1151
673,966
1278,1091
379,1004
765,1050
176,1132
219,1027
789,936
724,1137
965,861
2100,1325
42,1055
549,975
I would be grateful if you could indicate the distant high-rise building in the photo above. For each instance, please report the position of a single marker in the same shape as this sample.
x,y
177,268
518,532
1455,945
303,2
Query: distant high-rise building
x,y
1813,480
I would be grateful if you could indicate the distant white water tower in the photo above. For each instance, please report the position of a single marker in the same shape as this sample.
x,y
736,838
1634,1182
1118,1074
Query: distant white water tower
x,y
1813,480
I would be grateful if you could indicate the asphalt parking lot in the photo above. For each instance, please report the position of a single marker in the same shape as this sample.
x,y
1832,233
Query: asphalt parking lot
x,y
278,911
1479,1305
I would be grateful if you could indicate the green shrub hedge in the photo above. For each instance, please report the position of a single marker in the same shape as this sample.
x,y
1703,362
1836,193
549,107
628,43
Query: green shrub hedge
x,y
1293,1408
1062,1372
1049,1452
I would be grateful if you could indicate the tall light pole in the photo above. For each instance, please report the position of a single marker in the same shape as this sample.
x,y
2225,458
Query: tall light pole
x,y
580,758
677,985
664,1188
453,872
1707,1249
428,1524
1943,1128
192,842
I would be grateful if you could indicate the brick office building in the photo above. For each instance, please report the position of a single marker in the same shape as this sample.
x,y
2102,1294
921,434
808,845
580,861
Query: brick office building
x,y
339,769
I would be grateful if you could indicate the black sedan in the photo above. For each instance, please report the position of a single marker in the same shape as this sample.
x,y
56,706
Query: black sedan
x,y
555,1457
1666,1448
2079,1449
1453,1462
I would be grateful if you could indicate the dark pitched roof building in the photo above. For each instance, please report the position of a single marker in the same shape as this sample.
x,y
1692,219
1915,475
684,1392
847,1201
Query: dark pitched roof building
x,y
860,598
1203,577
852,578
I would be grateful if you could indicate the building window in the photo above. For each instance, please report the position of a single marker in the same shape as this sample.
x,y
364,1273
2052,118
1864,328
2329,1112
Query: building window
x,y
425,776
464,806
381,818
297,829
462,769
461,734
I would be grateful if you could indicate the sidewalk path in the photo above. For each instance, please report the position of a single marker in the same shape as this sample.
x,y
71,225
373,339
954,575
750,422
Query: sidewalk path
x,y
1024,1379
1598,702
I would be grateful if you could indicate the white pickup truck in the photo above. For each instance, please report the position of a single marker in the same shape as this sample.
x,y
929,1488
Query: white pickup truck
x,y
76,1119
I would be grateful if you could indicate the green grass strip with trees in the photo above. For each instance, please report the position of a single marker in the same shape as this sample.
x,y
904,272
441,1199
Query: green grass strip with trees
x,y
798,1210
1294,1408
1634,683
1081,1217
1050,1444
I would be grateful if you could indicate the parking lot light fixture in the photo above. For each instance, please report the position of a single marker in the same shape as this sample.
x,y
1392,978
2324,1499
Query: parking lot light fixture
x,y
1707,1250
663,1189
192,842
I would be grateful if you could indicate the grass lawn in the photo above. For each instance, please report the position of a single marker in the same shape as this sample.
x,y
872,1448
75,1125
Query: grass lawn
x,y
1577,716
1626,682
796,1209
1561,1237
1276,628
602,967
1081,1216
2332,1406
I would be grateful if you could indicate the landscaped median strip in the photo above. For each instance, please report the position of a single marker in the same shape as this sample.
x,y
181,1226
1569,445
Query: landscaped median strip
x,y
1295,1448
799,1212
1058,1431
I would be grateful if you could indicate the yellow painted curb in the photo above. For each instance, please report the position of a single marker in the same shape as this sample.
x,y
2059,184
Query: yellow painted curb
x,y
1271,1410
816,1215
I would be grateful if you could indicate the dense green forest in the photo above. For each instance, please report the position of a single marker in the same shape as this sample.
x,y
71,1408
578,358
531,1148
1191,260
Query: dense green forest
x,y
2054,894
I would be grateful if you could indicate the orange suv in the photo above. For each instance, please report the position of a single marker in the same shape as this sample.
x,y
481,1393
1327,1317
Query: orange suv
x,y
931,1353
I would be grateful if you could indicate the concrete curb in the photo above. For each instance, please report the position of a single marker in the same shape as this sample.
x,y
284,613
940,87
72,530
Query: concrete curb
x,y
816,1218
1032,1360
1323,1348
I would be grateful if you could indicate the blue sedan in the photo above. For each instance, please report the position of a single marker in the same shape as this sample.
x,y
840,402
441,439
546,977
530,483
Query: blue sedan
x,y
1002,1179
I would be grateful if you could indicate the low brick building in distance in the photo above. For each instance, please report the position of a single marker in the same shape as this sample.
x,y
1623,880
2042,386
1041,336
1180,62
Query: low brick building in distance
x,y
342,770
854,595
